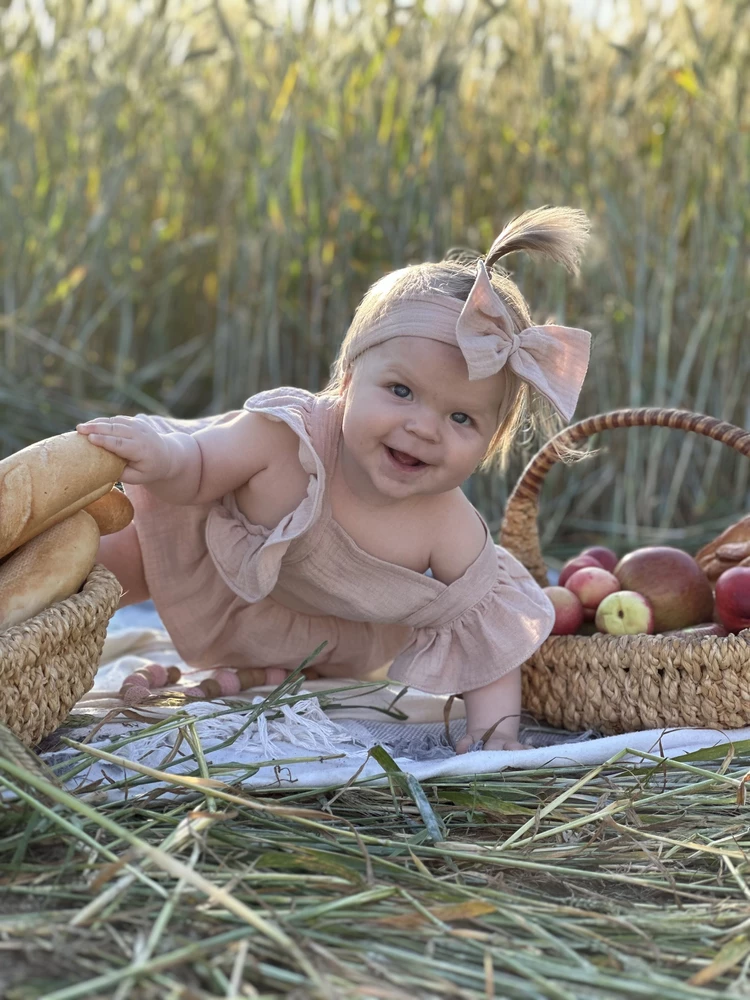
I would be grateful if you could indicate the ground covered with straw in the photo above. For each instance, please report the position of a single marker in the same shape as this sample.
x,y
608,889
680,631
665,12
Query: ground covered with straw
x,y
625,880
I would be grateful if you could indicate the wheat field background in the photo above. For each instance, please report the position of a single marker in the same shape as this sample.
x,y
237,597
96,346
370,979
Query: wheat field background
x,y
195,196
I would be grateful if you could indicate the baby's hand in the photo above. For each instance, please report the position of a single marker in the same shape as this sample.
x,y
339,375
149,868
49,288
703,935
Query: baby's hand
x,y
145,450
498,741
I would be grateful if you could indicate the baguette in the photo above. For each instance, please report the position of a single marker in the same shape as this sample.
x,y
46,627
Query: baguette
x,y
49,568
735,533
44,484
112,512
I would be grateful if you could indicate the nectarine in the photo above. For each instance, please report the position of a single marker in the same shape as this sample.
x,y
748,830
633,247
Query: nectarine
x,y
568,610
674,583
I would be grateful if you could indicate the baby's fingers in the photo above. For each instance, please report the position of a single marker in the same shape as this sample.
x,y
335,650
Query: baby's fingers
x,y
115,436
106,425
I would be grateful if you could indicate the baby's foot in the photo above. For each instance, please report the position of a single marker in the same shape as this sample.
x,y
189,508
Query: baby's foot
x,y
276,675
227,681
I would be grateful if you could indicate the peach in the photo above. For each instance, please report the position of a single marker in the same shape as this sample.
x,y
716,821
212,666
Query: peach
x,y
674,583
604,556
592,584
568,610
572,565
625,612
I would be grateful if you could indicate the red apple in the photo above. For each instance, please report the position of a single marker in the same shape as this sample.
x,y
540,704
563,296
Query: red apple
x,y
604,556
733,598
568,610
591,585
625,613
572,565
674,583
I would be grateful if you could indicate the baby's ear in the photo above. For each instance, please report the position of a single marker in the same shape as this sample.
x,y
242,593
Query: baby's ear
x,y
346,381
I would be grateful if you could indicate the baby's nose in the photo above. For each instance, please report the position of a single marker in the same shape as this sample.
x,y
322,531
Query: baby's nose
x,y
425,424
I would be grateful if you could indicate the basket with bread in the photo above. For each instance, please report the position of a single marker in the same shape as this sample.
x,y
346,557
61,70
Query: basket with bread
x,y
57,497
661,638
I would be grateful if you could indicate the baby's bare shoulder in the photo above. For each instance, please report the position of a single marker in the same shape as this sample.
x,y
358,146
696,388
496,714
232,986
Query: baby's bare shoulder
x,y
459,536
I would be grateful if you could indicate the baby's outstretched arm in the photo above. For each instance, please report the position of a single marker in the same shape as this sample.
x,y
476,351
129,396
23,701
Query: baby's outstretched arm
x,y
498,702
185,468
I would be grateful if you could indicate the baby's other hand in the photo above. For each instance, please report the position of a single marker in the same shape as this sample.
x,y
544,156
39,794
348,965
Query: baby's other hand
x,y
145,450
498,741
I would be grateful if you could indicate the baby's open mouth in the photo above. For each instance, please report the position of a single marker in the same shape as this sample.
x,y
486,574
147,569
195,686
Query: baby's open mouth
x,y
403,459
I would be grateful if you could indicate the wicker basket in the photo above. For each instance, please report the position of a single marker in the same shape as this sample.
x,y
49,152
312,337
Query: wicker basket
x,y
619,684
49,661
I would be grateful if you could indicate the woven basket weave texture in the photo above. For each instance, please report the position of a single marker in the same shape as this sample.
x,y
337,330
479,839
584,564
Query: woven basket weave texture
x,y
619,684
48,662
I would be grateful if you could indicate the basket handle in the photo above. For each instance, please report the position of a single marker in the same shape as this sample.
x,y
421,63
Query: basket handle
x,y
519,532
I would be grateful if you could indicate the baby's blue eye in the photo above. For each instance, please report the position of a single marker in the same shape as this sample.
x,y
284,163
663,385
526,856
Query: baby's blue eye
x,y
461,418
402,391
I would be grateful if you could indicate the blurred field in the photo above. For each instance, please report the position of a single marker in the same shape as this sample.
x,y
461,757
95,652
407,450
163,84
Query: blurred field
x,y
195,196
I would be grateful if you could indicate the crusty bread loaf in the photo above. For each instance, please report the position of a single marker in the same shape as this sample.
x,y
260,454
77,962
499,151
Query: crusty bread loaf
x,y
730,548
49,568
112,512
48,481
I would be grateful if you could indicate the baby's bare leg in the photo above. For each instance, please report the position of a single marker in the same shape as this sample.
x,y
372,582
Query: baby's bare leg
x,y
121,554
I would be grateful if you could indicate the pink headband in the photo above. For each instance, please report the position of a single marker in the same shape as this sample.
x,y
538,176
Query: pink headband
x,y
553,359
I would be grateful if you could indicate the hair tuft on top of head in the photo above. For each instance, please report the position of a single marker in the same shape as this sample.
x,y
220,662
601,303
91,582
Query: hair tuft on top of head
x,y
557,233
462,255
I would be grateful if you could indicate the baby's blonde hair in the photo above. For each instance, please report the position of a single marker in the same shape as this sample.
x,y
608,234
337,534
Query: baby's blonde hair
x,y
557,233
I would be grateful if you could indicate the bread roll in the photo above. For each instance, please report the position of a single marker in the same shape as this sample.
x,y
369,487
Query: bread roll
x,y
49,568
48,481
112,512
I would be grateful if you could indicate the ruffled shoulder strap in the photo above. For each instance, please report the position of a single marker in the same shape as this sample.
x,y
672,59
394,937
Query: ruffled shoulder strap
x,y
247,556
461,644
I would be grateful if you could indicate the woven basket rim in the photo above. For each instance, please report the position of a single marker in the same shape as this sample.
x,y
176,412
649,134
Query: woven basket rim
x,y
604,639
50,660
94,594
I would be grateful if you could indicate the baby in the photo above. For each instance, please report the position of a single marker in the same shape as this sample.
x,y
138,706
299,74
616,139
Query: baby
x,y
309,518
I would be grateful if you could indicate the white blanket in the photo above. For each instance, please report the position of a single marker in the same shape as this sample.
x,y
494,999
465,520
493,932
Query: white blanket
x,y
297,743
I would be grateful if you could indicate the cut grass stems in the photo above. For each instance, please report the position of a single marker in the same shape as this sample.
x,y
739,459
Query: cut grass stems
x,y
623,880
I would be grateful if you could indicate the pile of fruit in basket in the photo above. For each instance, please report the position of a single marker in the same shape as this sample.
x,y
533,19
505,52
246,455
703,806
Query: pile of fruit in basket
x,y
657,589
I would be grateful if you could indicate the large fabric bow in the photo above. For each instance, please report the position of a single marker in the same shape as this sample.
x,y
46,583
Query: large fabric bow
x,y
553,359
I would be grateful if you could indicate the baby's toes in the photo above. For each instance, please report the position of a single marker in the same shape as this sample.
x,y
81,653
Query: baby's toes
x,y
464,743
506,745
275,675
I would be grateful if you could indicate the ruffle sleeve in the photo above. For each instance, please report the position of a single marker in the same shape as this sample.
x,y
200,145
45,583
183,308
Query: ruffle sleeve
x,y
451,653
248,556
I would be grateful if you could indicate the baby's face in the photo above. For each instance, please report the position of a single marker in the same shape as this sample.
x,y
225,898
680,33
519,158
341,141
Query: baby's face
x,y
413,422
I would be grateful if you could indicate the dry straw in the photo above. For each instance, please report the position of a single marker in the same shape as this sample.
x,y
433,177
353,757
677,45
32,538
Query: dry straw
x,y
627,880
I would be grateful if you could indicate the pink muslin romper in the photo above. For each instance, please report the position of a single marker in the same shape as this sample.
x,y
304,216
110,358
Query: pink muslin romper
x,y
224,586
